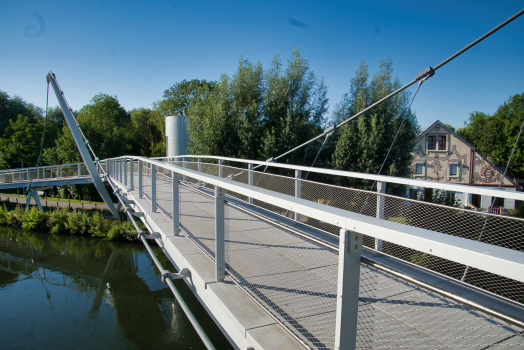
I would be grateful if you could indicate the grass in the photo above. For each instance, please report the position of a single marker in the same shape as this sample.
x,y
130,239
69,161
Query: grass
x,y
53,199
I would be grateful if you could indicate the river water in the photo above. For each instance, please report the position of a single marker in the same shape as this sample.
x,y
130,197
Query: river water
x,y
73,292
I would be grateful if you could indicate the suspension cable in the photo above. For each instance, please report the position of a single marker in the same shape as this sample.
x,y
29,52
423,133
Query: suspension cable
x,y
425,74
42,143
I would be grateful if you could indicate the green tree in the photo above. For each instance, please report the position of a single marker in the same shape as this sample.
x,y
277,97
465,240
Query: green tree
x,y
177,97
11,107
106,125
258,114
362,144
495,135
145,124
21,142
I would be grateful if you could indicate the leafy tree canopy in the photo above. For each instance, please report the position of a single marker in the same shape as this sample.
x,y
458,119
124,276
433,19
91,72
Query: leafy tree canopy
x,y
495,135
362,144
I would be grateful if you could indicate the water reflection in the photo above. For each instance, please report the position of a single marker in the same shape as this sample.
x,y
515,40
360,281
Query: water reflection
x,y
62,291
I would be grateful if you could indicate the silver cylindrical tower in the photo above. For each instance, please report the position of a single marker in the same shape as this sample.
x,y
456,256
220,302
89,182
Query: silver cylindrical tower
x,y
176,136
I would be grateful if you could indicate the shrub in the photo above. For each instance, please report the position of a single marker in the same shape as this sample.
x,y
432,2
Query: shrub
x,y
98,225
3,213
14,218
34,219
57,220
77,222
518,210
122,231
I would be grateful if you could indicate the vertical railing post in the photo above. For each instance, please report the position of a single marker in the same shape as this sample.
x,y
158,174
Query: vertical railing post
x,y
350,250
125,171
220,247
38,173
184,162
298,190
153,188
78,170
199,170
61,171
250,180
381,188
175,200
140,166
131,170
220,168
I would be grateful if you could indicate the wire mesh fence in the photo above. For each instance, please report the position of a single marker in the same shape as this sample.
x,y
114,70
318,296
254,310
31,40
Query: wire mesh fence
x,y
489,228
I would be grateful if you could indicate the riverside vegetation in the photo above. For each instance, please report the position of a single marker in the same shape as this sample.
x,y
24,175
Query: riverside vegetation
x,y
66,221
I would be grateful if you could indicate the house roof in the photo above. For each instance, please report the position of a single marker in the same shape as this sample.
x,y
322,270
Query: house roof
x,y
461,139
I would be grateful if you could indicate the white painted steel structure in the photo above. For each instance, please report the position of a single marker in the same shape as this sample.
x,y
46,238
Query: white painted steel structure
x,y
152,174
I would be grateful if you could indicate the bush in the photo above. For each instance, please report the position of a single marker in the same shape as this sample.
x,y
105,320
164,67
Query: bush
x,y
518,210
122,231
14,218
98,225
77,222
34,219
3,213
57,220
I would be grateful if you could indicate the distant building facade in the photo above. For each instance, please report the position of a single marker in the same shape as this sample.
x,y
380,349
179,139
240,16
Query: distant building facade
x,y
441,155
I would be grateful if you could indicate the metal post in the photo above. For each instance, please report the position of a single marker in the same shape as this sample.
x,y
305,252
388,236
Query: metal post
x,y
140,179
199,170
78,170
125,171
184,178
350,250
153,188
37,173
220,248
175,204
131,170
250,180
298,190
220,168
381,188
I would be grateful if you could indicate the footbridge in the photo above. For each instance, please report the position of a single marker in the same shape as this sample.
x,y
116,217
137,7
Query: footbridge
x,y
281,262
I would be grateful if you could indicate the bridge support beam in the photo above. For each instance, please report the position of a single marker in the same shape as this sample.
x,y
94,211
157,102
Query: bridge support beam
x,y
350,250
381,189
34,193
220,246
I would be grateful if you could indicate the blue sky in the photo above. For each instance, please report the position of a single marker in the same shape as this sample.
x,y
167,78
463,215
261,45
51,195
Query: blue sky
x,y
135,50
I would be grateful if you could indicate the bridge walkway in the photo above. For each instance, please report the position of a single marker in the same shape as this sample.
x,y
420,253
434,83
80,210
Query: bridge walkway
x,y
295,280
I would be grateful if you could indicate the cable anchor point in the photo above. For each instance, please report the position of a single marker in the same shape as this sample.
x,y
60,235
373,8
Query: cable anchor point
x,y
425,74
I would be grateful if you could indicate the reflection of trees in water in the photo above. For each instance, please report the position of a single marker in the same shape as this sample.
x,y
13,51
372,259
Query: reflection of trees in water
x,y
91,266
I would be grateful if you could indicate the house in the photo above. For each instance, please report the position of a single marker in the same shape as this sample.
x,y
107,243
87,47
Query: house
x,y
441,155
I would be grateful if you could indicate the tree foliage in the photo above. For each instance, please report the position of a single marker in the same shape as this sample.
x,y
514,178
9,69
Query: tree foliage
x,y
258,114
495,135
362,144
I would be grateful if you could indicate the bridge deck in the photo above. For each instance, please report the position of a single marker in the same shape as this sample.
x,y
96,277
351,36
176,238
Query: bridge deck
x,y
295,281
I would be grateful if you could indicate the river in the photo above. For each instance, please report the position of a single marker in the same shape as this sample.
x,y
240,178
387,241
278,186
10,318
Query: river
x,y
74,292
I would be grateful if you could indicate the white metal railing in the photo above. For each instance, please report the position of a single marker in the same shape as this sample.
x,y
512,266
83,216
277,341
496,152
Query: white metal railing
x,y
481,190
44,173
353,226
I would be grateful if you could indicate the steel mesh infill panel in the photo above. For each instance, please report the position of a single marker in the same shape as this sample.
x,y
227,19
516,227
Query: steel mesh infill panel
x,y
197,219
288,275
407,316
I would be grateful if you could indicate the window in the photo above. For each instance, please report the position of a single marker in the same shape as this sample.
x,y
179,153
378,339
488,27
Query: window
x,y
453,169
432,142
442,143
419,168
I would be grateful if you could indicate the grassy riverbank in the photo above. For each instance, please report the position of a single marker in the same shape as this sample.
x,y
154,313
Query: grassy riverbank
x,y
92,222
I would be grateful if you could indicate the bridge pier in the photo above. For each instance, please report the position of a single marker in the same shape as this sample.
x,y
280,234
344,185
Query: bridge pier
x,y
34,193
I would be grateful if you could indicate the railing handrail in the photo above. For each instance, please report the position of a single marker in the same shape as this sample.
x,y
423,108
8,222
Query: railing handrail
x,y
498,260
500,193
39,167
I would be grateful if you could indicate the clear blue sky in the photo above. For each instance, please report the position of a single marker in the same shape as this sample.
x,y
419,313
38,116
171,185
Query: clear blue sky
x,y
137,49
